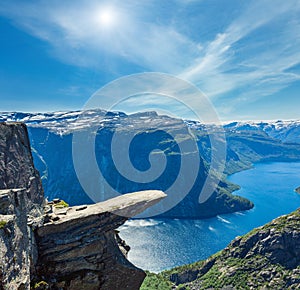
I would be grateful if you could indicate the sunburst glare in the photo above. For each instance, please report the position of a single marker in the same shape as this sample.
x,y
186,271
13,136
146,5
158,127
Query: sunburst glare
x,y
106,17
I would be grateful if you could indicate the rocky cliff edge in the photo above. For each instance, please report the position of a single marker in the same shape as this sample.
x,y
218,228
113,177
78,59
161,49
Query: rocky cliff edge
x,y
45,246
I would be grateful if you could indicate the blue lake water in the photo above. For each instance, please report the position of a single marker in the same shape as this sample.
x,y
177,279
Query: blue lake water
x,y
159,244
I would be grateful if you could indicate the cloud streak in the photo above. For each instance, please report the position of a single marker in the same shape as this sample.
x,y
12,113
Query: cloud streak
x,y
77,37
238,58
264,68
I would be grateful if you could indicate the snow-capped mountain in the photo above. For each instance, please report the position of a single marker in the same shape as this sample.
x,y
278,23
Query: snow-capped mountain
x,y
63,123
246,142
286,131
67,122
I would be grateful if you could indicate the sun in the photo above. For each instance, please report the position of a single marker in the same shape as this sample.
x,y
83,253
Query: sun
x,y
107,17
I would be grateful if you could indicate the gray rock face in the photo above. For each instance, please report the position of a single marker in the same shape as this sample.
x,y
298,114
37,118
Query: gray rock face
x,y
16,163
279,242
21,195
78,249
15,246
266,258
62,248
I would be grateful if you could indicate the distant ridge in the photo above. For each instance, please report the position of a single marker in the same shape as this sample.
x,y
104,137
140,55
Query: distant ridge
x,y
246,143
66,121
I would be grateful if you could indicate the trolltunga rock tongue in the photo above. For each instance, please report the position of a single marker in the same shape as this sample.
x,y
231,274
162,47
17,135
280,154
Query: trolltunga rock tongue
x,y
78,246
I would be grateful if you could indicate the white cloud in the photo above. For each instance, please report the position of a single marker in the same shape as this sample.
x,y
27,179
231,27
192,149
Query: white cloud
x,y
212,71
79,38
231,61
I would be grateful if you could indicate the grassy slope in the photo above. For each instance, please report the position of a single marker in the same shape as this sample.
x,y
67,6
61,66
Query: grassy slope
x,y
240,264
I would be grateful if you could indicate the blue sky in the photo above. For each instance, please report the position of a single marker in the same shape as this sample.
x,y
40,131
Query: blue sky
x,y
244,55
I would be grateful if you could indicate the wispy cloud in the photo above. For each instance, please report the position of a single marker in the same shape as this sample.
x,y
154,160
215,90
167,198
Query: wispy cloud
x,y
227,65
77,37
252,54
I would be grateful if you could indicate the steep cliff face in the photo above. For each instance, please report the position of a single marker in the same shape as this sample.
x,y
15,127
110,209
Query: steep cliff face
x,y
21,198
53,247
266,258
16,246
16,163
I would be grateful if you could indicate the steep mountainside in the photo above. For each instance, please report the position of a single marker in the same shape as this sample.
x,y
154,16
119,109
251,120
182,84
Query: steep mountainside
x,y
266,258
249,142
51,137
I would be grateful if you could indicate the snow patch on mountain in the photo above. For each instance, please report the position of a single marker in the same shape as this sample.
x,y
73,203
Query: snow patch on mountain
x,y
288,131
61,123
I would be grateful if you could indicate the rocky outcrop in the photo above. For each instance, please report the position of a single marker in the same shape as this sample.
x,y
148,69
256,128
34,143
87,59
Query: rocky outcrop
x,y
266,258
279,241
21,196
16,249
16,163
78,246
51,246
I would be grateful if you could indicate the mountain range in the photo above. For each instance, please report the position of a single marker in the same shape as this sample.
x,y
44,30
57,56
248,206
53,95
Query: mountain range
x,y
51,136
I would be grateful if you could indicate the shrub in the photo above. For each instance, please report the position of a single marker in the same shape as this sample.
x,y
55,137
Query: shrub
x,y
41,285
2,224
61,204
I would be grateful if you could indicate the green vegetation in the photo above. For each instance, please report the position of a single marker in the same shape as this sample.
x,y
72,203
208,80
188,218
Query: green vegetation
x,y
183,268
61,204
240,273
229,268
41,285
156,281
283,223
162,280
2,224
243,274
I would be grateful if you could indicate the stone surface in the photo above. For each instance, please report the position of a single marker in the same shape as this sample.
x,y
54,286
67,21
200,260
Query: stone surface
x,y
82,249
16,163
21,195
16,244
